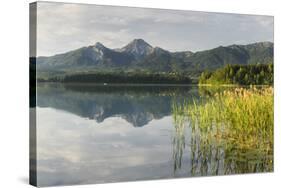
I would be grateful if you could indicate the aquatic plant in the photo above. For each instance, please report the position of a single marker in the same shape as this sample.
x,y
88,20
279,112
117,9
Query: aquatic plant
x,y
232,131
178,143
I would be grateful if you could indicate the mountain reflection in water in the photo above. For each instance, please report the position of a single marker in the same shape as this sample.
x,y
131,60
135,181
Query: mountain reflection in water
x,y
138,105
96,134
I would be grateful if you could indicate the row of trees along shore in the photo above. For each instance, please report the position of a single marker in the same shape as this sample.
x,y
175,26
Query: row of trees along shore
x,y
259,74
116,77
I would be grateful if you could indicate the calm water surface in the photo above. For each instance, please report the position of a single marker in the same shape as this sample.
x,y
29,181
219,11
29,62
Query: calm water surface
x,y
95,134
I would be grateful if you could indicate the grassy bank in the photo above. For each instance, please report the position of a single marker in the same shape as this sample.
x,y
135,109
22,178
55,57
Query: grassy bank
x,y
233,129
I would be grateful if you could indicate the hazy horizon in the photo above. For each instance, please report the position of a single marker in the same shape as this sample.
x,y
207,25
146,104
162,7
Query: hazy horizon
x,y
63,27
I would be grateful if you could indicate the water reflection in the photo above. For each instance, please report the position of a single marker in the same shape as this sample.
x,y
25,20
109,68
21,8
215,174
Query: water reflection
x,y
87,134
138,105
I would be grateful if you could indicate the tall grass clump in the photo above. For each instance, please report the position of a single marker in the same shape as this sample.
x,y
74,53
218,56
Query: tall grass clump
x,y
232,131
242,115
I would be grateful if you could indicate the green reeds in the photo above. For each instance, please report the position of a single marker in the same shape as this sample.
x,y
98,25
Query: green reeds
x,y
232,131
179,134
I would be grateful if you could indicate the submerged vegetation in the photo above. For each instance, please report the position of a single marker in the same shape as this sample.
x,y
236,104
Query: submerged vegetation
x,y
256,74
178,138
232,131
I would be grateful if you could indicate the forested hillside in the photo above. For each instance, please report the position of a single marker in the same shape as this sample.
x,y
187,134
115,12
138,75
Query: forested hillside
x,y
260,74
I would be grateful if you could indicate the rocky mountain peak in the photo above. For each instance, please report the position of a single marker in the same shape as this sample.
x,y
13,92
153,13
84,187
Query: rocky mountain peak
x,y
139,48
99,45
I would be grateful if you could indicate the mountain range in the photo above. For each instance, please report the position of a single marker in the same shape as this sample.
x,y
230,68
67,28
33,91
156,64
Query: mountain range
x,y
139,55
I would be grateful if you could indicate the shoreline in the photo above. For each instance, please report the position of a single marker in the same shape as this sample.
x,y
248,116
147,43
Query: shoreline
x,y
150,84
118,84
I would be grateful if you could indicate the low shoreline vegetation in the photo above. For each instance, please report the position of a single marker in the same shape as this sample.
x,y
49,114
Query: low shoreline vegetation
x,y
233,128
254,74
258,74
116,77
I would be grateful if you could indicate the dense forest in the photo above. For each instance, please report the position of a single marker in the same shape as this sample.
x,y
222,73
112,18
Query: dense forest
x,y
121,77
258,74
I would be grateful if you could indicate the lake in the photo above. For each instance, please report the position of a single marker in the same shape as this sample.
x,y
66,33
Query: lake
x,y
97,134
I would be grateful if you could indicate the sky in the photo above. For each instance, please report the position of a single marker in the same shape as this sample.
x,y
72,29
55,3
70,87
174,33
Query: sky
x,y
62,27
